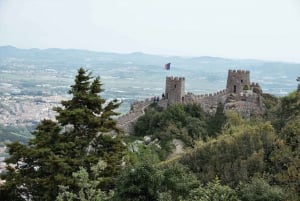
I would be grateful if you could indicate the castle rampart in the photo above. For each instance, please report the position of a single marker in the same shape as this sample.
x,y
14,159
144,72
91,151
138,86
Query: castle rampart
x,y
239,95
127,121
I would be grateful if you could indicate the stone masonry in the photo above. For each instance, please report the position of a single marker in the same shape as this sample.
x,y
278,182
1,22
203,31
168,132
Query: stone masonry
x,y
237,81
240,95
175,90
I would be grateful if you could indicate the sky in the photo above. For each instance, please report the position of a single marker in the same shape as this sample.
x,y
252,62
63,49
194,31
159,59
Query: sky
x,y
257,29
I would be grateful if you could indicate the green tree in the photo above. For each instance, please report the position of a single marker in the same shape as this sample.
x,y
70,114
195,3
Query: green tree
x,y
139,183
87,183
40,165
147,181
185,122
213,191
238,154
84,132
260,190
216,121
285,160
288,107
291,133
178,181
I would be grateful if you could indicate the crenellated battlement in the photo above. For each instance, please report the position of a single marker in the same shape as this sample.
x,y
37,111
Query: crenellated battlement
x,y
255,84
171,78
239,95
216,94
239,72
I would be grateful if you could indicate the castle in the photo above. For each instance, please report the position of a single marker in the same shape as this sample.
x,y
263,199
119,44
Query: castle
x,y
240,95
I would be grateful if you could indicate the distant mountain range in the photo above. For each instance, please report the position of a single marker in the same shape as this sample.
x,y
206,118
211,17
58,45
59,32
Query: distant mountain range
x,y
203,73
136,57
57,53
29,73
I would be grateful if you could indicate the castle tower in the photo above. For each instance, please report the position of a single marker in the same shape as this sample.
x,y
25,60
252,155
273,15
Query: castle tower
x,y
175,89
237,81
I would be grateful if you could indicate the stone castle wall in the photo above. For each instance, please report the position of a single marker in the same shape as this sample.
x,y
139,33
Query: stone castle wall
x,y
208,102
245,101
127,121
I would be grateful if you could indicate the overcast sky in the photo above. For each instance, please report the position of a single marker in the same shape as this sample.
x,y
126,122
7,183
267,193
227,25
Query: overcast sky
x,y
262,29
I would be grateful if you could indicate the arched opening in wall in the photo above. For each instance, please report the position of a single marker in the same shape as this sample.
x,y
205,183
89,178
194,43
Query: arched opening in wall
x,y
175,86
167,96
234,89
182,99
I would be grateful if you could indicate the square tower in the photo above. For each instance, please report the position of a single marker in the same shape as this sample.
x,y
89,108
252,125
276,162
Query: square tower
x,y
237,81
175,89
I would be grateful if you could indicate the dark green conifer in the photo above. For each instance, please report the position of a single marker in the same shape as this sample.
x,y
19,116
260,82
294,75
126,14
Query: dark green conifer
x,y
84,133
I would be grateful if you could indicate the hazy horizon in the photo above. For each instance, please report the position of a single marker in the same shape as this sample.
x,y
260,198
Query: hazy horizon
x,y
154,54
264,30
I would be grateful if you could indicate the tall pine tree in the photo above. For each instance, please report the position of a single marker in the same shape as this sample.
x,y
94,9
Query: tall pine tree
x,y
84,133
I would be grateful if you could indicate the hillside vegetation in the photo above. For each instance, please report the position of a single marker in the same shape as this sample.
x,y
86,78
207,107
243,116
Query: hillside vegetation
x,y
83,156
254,159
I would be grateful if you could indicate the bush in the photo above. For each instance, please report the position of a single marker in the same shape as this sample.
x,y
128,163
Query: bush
x,y
260,190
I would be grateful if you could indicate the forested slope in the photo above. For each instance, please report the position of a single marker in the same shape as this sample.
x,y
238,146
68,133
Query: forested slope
x,y
241,153
84,156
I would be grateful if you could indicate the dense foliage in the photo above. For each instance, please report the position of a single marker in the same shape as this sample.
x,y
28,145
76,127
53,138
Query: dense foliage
x,y
84,133
235,156
261,151
188,123
263,148
150,182
213,191
225,157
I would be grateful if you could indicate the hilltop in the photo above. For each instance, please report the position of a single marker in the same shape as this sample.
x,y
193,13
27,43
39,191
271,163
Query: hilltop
x,y
180,152
39,78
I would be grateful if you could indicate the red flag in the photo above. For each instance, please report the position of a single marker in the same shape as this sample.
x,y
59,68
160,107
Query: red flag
x,y
168,66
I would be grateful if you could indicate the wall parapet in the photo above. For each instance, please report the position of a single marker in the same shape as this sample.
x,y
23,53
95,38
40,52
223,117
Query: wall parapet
x,y
235,92
171,78
239,71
